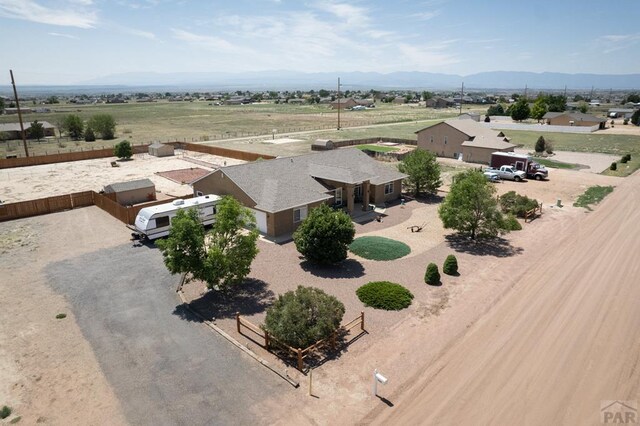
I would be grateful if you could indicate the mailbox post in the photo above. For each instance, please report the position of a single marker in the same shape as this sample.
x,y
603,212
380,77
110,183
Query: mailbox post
x,y
378,378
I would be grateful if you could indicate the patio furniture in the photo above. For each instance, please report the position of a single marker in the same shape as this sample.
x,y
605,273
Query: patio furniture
x,y
417,228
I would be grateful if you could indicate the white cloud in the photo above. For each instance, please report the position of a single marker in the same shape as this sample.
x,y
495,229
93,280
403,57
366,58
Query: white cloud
x,y
63,35
427,58
425,16
140,33
29,10
615,42
207,42
348,13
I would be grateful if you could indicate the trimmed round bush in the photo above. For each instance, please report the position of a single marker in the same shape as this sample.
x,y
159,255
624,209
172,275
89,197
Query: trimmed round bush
x,y
384,295
613,166
450,266
379,248
432,276
624,159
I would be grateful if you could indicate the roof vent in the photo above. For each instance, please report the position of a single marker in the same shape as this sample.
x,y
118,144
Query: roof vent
x,y
178,202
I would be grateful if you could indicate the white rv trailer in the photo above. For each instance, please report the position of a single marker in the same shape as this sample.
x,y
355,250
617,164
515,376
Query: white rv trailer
x,y
155,221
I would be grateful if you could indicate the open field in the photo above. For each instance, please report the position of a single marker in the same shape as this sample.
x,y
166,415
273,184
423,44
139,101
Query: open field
x,y
200,121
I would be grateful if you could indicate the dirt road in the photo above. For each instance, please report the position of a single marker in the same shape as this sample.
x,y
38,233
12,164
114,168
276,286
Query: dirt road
x,y
562,341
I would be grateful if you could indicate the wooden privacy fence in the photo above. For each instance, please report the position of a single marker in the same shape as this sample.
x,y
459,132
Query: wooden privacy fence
x,y
351,142
298,353
7,163
47,205
222,152
106,202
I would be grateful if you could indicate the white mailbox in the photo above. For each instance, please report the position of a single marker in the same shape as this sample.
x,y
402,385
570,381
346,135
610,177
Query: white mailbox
x,y
378,378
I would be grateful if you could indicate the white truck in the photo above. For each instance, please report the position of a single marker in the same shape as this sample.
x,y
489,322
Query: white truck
x,y
508,173
155,221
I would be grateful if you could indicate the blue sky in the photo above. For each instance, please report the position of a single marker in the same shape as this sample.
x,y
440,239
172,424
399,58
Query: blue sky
x,y
69,41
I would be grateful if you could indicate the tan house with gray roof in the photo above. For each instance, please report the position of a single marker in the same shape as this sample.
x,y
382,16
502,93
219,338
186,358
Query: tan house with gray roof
x,y
466,139
281,192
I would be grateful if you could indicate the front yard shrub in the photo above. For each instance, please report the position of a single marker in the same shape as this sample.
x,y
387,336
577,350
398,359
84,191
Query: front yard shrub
x,y
624,159
511,222
324,236
5,412
123,150
517,204
302,317
379,248
61,316
384,295
450,266
613,166
432,276
627,156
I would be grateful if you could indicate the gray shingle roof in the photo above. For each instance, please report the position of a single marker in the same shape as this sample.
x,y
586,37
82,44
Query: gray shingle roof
x,y
15,127
284,183
128,186
575,116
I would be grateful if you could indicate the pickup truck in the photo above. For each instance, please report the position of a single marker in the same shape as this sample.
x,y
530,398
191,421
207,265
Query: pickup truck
x,y
508,173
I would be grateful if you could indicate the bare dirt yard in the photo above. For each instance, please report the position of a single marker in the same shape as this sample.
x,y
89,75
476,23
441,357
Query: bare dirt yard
x,y
27,183
55,371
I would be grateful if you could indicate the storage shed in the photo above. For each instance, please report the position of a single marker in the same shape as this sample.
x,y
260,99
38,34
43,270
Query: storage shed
x,y
158,149
132,192
322,145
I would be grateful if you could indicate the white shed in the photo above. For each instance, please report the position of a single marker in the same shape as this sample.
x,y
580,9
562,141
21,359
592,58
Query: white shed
x,y
158,149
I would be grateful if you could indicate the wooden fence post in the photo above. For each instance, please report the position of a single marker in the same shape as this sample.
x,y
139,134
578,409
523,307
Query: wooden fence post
x,y
362,320
238,321
299,359
266,340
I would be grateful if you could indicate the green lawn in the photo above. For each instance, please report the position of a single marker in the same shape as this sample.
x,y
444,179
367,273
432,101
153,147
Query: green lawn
x,y
379,248
557,164
377,148
624,169
579,142
593,195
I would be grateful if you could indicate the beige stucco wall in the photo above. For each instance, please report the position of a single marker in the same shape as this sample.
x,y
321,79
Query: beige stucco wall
x,y
281,223
219,184
438,146
480,155
378,196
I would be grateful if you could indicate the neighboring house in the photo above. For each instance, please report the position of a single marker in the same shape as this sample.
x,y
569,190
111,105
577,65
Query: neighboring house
x,y
454,138
297,101
343,103
132,192
158,149
399,100
9,111
281,192
620,112
574,119
12,130
365,102
438,103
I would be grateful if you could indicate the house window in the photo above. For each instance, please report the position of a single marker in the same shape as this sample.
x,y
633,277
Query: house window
x,y
299,214
338,196
388,188
199,194
162,221
445,140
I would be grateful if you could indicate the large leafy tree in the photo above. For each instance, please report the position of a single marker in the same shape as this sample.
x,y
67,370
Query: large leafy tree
x,y
324,236
1,105
73,126
222,257
471,207
104,125
423,171
497,109
36,130
635,118
302,317
520,110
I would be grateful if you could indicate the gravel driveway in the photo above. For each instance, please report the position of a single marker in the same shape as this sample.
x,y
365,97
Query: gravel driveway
x,y
164,368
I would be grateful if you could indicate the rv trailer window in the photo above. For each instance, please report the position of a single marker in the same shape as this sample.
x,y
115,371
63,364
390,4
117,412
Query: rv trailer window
x,y
162,221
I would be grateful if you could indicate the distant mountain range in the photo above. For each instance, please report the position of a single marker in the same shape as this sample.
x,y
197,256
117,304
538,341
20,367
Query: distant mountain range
x,y
373,80
291,80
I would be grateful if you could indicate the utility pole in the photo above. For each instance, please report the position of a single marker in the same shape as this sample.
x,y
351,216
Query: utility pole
x,y
591,94
15,94
565,91
339,104
461,96
525,92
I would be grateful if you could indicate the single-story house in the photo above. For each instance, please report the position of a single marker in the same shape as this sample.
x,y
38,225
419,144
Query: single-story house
x,y
281,192
132,192
466,139
574,119
620,112
399,100
158,149
343,103
438,103
12,130
297,101
14,110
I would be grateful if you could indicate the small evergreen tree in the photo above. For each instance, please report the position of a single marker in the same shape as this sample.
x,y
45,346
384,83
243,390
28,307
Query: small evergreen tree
x,y
450,266
613,166
432,276
89,135
540,145
123,150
